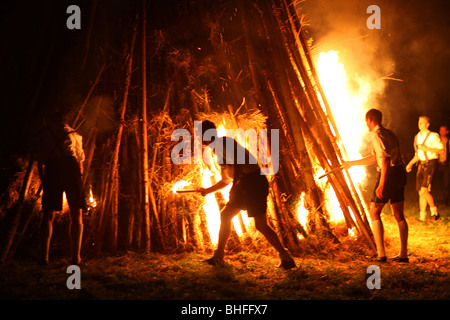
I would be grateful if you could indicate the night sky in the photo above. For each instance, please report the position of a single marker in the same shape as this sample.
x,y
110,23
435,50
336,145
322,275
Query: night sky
x,y
412,45
39,55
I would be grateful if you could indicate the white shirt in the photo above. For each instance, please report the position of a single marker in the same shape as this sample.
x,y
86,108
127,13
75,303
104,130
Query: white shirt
x,y
385,144
58,140
433,141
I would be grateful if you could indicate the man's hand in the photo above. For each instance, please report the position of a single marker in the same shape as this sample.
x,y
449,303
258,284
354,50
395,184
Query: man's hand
x,y
202,191
379,191
346,165
409,167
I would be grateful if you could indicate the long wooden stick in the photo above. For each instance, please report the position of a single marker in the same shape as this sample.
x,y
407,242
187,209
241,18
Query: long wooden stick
x,y
145,188
16,220
75,123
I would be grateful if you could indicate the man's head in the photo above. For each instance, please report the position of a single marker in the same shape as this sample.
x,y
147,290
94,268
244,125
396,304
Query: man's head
x,y
373,118
443,131
210,129
424,123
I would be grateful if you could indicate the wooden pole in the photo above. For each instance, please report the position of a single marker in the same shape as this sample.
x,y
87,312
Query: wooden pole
x,y
115,159
16,219
144,144
75,123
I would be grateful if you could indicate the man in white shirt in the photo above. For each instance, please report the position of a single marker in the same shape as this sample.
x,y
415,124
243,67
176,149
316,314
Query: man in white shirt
x,y
427,146
390,185
60,156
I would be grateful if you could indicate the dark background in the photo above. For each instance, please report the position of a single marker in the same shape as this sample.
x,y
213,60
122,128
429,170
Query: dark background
x,y
40,58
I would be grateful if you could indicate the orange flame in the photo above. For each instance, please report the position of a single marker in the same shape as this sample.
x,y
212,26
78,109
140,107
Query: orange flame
x,y
347,105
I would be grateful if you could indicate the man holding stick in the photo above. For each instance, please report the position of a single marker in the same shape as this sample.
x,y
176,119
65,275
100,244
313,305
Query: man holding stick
x,y
249,192
390,185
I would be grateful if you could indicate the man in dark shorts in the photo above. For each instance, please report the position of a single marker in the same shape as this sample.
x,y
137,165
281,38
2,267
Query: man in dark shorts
x,y
390,185
427,146
249,192
60,158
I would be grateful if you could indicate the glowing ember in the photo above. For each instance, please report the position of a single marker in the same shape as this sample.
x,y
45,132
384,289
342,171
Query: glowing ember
x,y
65,203
92,202
352,233
302,212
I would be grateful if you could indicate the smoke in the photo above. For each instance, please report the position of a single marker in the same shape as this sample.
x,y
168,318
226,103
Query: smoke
x,y
411,46
99,113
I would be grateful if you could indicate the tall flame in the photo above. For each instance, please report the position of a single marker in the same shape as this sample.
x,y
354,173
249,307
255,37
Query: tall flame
x,y
347,103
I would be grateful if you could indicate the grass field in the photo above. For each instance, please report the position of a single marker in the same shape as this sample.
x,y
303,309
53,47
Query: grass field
x,y
325,270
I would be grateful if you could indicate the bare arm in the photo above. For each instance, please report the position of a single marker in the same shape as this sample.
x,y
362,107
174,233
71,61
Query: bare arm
x,y
385,165
219,185
371,159
411,163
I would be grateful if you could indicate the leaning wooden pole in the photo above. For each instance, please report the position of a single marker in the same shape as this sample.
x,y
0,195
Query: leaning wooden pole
x,y
75,122
115,161
16,220
145,205
315,90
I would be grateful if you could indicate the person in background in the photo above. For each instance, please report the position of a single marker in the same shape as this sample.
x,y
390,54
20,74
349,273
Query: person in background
x,y
443,171
427,146
390,185
60,157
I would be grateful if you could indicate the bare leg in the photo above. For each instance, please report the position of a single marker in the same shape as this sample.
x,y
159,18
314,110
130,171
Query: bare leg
x,y
226,216
271,236
422,200
76,234
425,198
261,225
47,231
378,230
397,208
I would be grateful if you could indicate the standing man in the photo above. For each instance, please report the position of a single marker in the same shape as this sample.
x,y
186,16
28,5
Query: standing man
x,y
249,192
60,159
390,185
444,163
427,146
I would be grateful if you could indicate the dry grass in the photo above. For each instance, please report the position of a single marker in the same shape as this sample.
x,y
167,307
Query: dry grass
x,y
325,271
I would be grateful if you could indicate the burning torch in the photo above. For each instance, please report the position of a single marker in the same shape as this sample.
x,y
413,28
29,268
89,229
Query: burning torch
x,y
181,184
